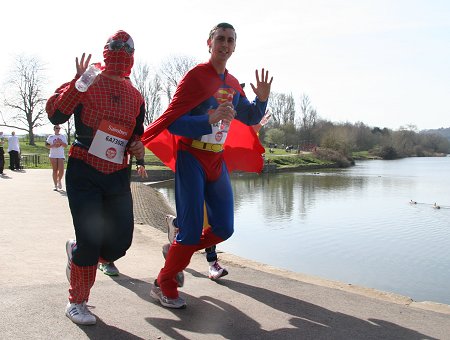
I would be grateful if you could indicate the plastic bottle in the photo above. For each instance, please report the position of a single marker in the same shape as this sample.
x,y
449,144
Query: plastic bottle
x,y
87,78
224,126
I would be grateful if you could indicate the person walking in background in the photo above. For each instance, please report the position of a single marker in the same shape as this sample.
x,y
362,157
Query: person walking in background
x,y
203,135
109,118
57,143
14,152
264,121
2,153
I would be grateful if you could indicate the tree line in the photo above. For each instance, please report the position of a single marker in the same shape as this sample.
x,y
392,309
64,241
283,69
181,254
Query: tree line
x,y
293,124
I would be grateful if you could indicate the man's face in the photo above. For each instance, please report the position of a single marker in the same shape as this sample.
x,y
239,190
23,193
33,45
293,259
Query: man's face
x,y
222,43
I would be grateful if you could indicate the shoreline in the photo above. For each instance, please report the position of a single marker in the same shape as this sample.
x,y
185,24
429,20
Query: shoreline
x,y
164,174
339,285
147,198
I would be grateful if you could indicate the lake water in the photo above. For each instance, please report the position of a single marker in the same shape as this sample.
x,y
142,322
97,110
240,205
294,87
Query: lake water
x,y
354,225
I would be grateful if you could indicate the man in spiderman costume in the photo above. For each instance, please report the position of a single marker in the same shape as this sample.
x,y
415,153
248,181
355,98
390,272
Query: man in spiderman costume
x,y
109,120
204,134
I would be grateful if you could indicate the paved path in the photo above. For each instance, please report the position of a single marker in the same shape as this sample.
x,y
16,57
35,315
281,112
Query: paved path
x,y
253,302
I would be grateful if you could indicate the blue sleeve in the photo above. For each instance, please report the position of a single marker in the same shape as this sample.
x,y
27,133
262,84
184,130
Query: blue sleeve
x,y
250,113
191,126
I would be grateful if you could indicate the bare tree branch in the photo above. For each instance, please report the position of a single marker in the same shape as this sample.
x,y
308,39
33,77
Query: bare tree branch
x,y
282,107
150,87
24,96
172,70
69,129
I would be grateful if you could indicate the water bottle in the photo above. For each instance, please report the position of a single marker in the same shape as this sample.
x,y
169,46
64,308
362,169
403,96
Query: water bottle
x,y
224,126
87,78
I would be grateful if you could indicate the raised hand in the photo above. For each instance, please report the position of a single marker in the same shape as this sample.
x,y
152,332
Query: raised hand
x,y
83,64
262,88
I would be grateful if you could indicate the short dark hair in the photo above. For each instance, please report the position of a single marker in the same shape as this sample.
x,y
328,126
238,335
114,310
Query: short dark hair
x,y
223,25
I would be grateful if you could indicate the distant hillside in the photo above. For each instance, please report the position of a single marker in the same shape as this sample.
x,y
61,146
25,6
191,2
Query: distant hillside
x,y
442,132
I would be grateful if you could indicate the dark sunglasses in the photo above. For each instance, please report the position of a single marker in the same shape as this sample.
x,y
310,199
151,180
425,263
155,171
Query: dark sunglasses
x,y
116,45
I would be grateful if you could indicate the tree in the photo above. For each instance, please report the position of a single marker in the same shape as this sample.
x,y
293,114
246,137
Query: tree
x,y
275,136
150,88
282,107
404,140
24,97
70,129
172,70
435,142
308,117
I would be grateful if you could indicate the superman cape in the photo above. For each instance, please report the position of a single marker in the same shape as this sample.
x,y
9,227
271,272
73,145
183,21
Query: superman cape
x,y
242,149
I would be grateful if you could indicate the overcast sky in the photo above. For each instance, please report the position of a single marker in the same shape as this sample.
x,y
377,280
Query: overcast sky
x,y
383,62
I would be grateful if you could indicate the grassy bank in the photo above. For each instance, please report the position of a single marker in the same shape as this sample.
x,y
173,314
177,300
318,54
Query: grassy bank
x,y
36,157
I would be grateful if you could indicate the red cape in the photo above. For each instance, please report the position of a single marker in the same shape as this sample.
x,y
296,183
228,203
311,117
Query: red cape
x,y
242,149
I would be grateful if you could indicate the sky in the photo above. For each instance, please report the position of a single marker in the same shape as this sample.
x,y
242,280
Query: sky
x,y
384,63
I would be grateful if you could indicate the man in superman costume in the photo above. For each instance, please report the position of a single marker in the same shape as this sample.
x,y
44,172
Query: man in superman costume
x,y
195,139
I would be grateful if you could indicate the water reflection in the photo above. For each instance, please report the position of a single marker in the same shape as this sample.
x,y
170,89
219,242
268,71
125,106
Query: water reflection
x,y
286,195
353,225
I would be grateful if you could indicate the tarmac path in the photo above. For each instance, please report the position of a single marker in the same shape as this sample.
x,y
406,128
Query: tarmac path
x,y
254,301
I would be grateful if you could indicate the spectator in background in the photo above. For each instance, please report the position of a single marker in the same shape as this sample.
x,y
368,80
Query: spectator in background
x,y
56,143
14,152
2,153
263,122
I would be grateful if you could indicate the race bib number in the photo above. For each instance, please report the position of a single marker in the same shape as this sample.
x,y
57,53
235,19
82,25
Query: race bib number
x,y
218,135
109,142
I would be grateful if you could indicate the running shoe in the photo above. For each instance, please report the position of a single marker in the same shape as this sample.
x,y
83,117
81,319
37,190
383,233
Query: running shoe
x,y
172,230
216,271
70,246
108,268
80,314
157,294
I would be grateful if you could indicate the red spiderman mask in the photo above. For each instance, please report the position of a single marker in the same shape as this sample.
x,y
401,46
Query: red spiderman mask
x,y
118,54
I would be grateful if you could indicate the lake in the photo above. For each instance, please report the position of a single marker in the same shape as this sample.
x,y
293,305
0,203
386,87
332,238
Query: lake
x,y
354,225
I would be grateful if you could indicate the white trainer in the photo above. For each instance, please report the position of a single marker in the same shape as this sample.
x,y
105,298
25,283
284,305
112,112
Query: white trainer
x,y
80,314
216,271
172,230
177,303
70,246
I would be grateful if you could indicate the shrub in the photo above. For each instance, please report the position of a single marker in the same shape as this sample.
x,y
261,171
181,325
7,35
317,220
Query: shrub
x,y
333,156
388,152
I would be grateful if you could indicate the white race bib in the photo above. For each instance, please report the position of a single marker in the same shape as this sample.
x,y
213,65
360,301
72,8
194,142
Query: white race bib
x,y
110,142
218,134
